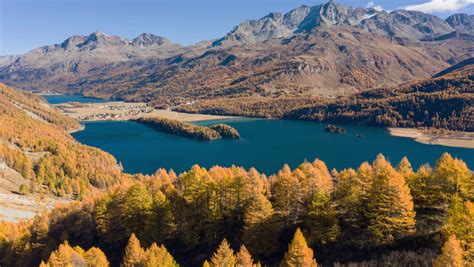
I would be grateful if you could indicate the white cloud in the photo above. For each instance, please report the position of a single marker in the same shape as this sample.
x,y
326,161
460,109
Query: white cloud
x,y
371,4
440,6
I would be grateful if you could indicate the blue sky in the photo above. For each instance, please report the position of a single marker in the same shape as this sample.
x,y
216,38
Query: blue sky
x,y
27,24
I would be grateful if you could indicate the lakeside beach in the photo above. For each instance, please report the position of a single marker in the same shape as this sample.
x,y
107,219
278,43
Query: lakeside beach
x,y
451,139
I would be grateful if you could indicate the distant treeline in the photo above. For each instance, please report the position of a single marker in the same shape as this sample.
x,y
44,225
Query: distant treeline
x,y
446,102
190,130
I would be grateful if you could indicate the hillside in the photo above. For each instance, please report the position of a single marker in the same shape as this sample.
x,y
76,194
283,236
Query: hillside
x,y
34,142
324,50
442,102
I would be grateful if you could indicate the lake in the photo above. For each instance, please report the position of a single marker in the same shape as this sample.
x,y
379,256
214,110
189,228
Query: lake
x,y
265,145
59,99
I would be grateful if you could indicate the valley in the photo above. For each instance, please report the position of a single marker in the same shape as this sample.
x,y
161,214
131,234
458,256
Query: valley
x,y
324,135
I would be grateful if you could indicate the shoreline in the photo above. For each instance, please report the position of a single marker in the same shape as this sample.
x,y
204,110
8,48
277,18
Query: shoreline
x,y
453,139
77,130
124,111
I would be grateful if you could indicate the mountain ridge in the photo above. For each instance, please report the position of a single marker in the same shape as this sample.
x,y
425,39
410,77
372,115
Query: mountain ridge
x,y
329,49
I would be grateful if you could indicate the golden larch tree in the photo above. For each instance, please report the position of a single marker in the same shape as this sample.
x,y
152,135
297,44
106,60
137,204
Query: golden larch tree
x,y
244,259
299,254
390,211
224,256
96,257
158,256
65,255
451,254
134,253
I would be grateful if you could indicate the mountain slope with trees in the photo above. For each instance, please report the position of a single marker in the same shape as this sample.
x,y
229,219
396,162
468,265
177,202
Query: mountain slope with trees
x,y
444,102
28,126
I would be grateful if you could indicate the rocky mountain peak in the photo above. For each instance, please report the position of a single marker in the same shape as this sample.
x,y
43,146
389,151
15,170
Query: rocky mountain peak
x,y
463,23
147,39
98,38
293,18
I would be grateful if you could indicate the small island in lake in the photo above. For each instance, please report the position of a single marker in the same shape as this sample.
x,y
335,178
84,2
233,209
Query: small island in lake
x,y
334,129
226,131
205,133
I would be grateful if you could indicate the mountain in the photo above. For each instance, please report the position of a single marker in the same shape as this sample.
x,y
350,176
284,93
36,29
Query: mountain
x,y
444,101
7,60
462,22
77,55
327,50
400,23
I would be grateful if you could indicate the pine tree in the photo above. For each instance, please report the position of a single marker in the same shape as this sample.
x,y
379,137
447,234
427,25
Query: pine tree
x,y
299,254
321,220
404,168
460,222
348,197
453,177
134,253
421,187
261,229
287,196
95,257
244,259
390,211
160,224
135,208
224,256
451,254
158,256
65,256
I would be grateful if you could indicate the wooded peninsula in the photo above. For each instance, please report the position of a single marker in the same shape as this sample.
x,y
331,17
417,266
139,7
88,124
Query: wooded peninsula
x,y
189,130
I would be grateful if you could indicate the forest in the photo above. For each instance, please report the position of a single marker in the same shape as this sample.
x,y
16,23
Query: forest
x,y
34,142
377,214
444,102
205,133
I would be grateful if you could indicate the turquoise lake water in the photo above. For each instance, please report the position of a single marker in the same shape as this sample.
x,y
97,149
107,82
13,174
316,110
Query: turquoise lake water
x,y
265,145
58,99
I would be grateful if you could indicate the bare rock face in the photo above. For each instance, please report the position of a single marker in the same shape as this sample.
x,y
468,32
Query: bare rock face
x,y
463,23
328,49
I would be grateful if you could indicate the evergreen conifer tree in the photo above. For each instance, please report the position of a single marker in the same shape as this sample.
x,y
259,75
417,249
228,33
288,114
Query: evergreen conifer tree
x,y
299,254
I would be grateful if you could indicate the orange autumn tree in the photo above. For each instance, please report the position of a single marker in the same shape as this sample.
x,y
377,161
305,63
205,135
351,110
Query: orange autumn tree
x,y
299,254
158,256
391,211
224,256
244,259
451,254
134,253
65,255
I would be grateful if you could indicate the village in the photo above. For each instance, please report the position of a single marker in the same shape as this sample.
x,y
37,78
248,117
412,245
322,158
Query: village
x,y
104,111
123,111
